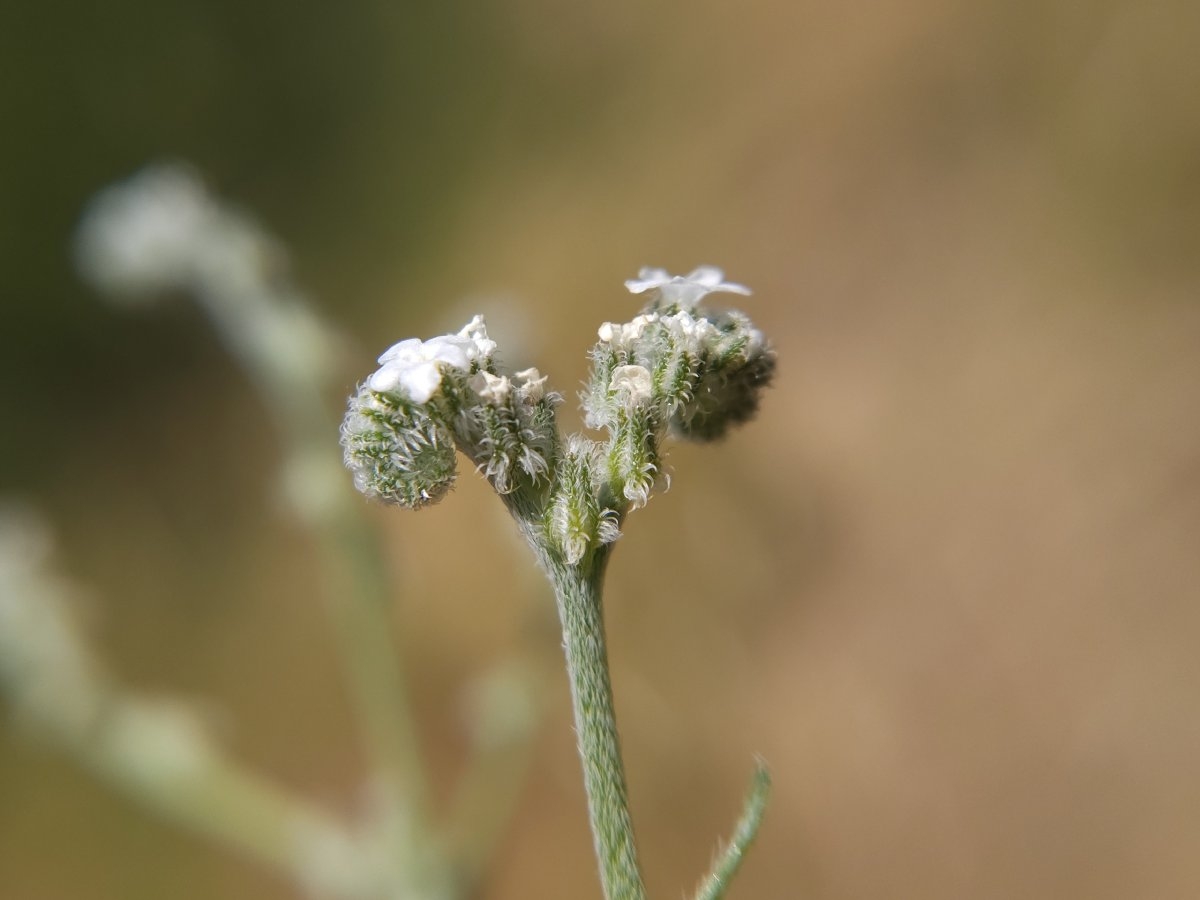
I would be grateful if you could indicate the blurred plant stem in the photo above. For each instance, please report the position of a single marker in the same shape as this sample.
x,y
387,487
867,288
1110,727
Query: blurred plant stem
x,y
253,321
163,230
150,752
506,707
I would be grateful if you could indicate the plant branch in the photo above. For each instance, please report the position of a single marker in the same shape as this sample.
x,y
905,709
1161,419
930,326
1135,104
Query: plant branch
x,y
729,860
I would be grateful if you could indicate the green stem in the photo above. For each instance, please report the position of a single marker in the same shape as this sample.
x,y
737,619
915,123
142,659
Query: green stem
x,y
716,883
578,590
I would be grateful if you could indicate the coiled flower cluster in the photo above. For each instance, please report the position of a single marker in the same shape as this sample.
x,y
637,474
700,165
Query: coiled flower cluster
x,y
678,367
430,397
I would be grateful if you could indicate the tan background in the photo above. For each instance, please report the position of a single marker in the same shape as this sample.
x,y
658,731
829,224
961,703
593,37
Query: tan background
x,y
946,584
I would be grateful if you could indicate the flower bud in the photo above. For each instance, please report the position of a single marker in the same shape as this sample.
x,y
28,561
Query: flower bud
x,y
693,371
510,430
734,364
633,456
577,522
398,451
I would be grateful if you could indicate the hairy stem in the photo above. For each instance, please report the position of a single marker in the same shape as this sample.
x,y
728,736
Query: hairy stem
x,y
729,860
578,591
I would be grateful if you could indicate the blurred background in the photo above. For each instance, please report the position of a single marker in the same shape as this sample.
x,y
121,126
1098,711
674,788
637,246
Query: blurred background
x,y
946,584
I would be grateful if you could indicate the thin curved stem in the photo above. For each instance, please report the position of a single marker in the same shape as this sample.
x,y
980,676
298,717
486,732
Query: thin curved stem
x,y
716,883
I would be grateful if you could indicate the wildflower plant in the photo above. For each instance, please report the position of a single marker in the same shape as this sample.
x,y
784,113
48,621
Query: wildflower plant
x,y
681,368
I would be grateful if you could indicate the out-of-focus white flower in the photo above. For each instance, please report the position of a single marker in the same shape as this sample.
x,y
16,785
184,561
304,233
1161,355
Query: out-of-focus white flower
x,y
144,235
633,381
685,290
413,366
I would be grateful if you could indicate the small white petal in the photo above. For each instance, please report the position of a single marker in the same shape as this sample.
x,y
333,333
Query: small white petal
x,y
450,349
709,276
420,382
385,379
405,352
492,388
648,278
684,290
476,332
729,287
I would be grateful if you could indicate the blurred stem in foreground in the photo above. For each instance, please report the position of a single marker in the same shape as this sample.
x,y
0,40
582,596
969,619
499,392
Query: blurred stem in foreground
x,y
163,231
156,751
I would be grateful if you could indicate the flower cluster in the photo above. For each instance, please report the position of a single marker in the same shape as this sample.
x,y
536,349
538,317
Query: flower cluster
x,y
430,397
678,367
413,367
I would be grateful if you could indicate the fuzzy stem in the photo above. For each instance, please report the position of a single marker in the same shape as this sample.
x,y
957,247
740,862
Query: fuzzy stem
x,y
578,591
716,883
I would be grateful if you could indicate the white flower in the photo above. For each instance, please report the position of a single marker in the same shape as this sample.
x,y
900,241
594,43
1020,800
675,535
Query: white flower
x,y
476,332
492,388
634,381
145,234
684,290
413,366
624,335
534,388
691,332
